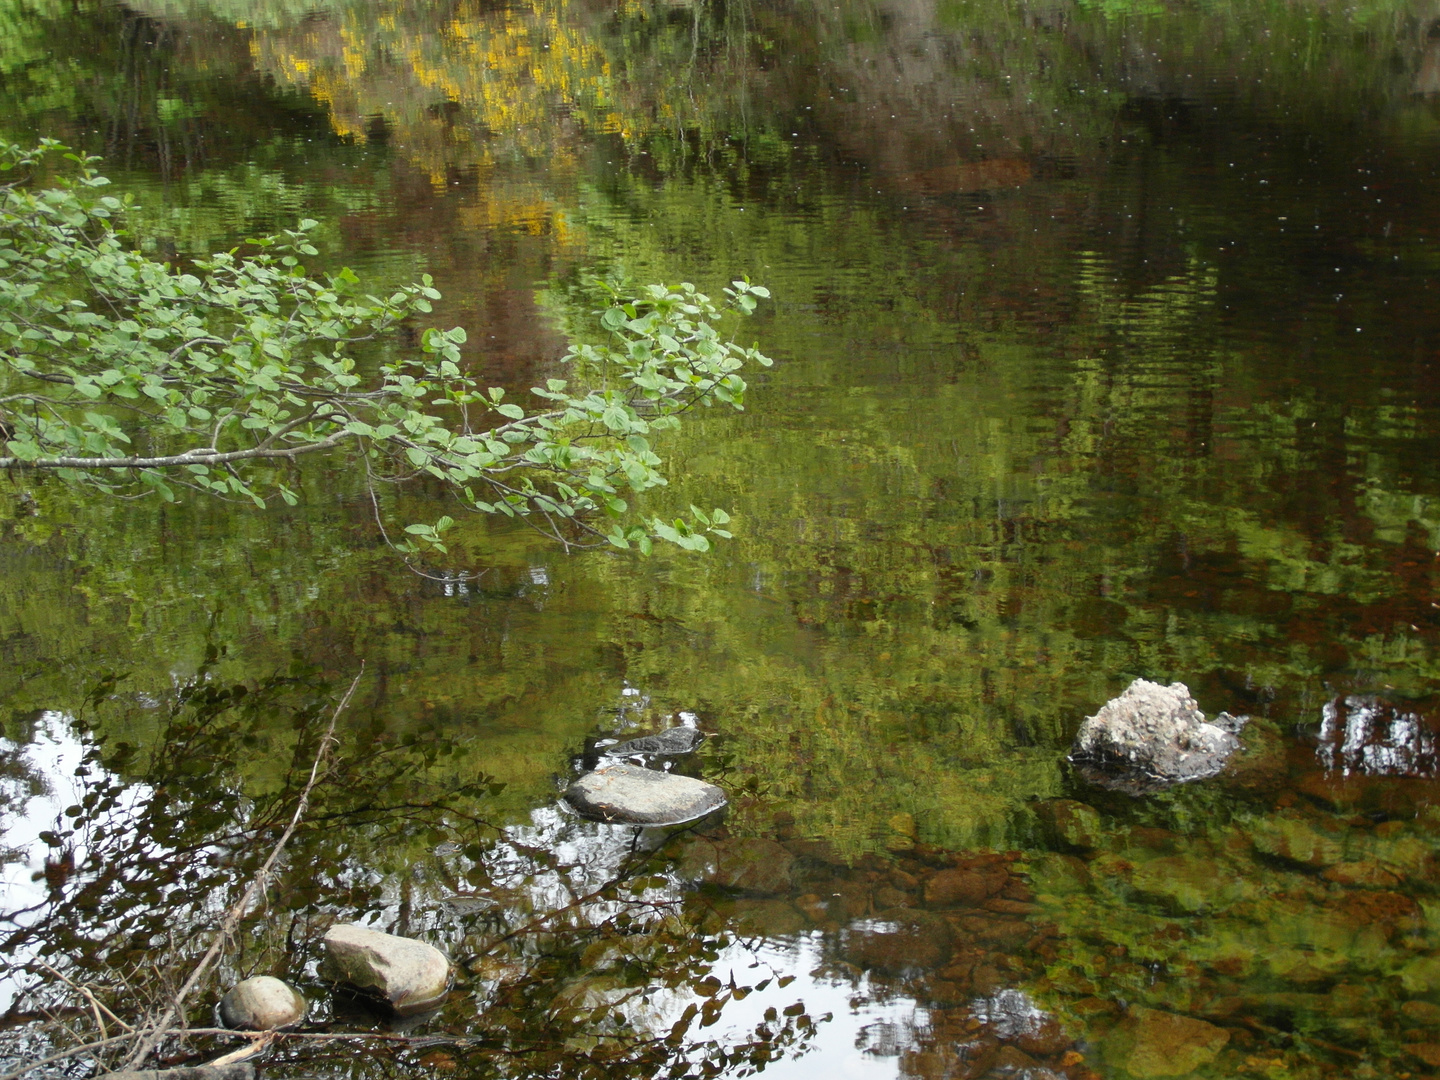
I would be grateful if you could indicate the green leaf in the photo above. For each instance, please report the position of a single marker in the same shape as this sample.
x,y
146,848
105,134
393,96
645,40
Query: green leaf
x,y
246,344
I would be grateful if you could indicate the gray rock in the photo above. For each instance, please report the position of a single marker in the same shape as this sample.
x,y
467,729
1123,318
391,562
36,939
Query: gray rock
x,y
672,742
261,1003
1152,736
408,975
629,795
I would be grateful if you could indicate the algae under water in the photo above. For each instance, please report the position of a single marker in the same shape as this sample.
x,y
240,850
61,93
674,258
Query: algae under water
x,y
1106,339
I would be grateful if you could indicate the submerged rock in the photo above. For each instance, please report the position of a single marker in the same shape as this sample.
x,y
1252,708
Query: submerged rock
x,y
1070,825
628,795
1296,841
261,1003
1154,1043
672,742
749,864
1152,736
965,887
408,975
900,941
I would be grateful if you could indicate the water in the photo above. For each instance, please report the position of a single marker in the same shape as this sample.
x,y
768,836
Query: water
x,y
1106,338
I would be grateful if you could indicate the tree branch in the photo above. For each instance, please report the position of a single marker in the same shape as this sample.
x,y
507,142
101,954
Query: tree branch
x,y
236,913
203,456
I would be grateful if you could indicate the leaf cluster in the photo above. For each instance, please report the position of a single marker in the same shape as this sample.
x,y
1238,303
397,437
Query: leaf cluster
x,y
131,375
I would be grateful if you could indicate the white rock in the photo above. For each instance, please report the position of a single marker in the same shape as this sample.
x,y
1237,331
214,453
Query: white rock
x,y
1156,732
629,795
260,1004
409,975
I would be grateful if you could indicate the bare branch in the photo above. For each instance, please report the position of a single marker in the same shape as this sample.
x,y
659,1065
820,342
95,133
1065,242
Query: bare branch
x,y
202,456
262,876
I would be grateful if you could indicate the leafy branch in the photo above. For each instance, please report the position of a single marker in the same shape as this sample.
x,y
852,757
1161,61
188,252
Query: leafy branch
x,y
130,375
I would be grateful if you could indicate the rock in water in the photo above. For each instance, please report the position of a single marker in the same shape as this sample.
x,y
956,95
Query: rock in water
x,y
1152,736
1150,1043
672,742
408,975
750,864
628,795
261,1003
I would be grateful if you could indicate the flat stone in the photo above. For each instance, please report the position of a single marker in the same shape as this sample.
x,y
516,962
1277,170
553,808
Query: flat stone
x,y
628,795
766,918
1422,1012
1070,825
261,1003
1154,1043
900,941
1429,1053
409,975
1366,872
1189,883
1422,975
1296,841
749,864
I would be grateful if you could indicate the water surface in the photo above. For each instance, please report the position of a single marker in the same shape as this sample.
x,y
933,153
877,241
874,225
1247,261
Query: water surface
x,y
1106,337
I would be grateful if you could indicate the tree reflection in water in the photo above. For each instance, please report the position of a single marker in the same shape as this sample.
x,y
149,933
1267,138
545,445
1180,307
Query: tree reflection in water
x,y
580,948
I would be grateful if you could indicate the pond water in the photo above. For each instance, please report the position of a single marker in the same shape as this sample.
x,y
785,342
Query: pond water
x,y
1106,338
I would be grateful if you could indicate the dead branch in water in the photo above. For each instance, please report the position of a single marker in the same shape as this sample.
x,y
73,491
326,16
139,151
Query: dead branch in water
x,y
147,1037
257,883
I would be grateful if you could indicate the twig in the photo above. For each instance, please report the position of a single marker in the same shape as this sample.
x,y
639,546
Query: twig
x,y
243,1053
237,912
95,1004
73,1052
257,1038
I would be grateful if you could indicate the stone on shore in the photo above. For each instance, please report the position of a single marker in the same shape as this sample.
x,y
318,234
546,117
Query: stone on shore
x,y
1151,736
627,795
261,1003
408,975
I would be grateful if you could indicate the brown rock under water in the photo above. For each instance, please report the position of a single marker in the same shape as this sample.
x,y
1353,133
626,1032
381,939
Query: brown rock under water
x,y
984,175
1366,873
965,887
899,941
1428,1052
751,864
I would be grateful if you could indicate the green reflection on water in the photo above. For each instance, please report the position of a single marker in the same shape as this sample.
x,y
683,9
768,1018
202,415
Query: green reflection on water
x,y
1107,348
